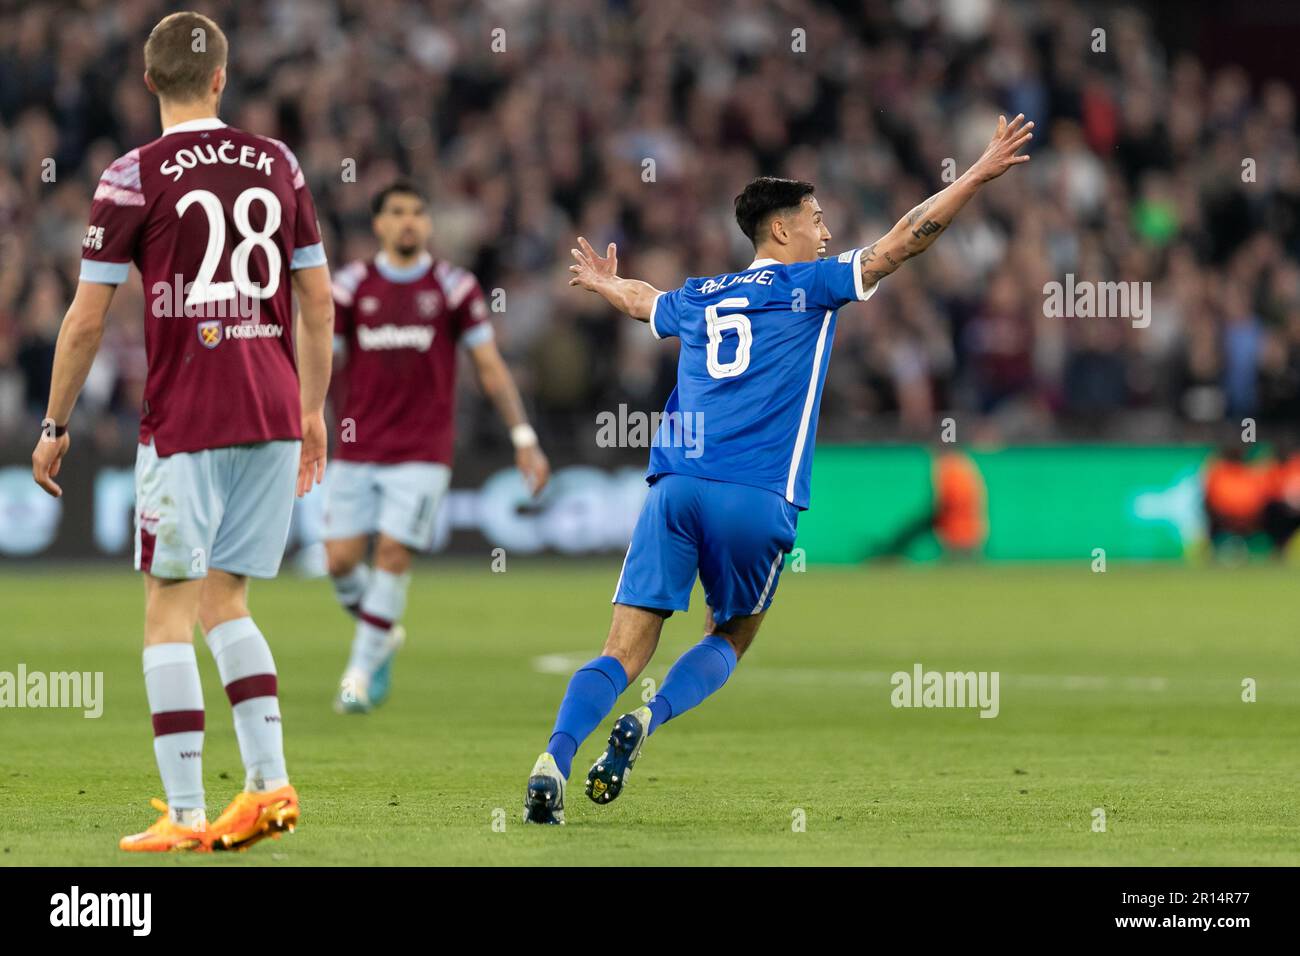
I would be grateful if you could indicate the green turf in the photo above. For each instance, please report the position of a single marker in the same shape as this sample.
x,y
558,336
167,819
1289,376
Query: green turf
x,y
1186,772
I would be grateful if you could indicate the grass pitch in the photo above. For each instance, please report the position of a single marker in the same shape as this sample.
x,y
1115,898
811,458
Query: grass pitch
x,y
1120,691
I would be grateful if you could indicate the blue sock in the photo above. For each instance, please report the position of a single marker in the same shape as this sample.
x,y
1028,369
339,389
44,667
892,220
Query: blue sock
x,y
592,693
697,674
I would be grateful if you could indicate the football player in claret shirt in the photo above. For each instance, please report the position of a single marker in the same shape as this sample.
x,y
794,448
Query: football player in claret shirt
x,y
223,230
754,350
401,318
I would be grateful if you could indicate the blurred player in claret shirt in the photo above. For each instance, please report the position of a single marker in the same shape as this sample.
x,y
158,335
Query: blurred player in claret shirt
x,y
400,319
223,230
755,345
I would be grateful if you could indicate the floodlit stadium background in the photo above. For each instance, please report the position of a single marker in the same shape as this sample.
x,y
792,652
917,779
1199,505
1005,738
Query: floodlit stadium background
x,y
1166,153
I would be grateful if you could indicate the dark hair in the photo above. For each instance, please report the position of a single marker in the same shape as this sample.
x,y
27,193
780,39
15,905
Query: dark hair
x,y
763,198
402,187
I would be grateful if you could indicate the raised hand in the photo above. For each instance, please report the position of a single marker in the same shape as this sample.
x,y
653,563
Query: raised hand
x,y
591,271
1002,150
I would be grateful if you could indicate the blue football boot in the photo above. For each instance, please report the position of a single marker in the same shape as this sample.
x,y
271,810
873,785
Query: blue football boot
x,y
608,774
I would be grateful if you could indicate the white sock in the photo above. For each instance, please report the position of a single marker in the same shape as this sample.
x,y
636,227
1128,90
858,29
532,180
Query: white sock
x,y
381,608
248,673
171,683
195,818
350,588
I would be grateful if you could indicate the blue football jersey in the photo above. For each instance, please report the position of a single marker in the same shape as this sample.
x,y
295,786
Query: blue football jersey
x,y
754,350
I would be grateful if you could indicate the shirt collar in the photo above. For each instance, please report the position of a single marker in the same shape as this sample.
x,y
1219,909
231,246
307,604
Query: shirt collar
x,y
405,273
190,126
759,263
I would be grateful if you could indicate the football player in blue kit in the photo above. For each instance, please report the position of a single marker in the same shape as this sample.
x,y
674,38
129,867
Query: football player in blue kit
x,y
754,350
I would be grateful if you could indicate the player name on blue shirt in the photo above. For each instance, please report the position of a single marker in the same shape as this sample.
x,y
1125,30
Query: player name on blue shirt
x,y
755,346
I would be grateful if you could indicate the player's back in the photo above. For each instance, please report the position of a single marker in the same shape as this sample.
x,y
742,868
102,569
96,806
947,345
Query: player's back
x,y
754,350
215,218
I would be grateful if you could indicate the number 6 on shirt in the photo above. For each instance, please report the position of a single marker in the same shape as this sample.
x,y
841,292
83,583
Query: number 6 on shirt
x,y
720,324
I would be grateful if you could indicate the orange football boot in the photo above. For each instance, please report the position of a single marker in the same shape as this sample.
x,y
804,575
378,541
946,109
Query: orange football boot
x,y
255,816
166,834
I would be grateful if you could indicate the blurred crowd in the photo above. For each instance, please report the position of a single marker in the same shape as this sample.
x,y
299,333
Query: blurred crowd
x,y
639,121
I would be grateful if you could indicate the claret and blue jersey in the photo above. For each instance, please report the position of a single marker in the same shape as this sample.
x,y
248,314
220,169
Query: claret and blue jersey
x,y
725,493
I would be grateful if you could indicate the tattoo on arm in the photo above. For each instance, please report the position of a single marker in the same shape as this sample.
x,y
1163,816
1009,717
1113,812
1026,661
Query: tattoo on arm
x,y
919,211
927,227
871,276
923,230
915,232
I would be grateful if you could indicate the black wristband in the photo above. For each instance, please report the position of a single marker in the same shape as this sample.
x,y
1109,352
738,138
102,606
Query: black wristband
x,y
59,430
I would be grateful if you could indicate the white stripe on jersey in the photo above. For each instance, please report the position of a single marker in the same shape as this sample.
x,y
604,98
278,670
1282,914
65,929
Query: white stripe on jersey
x,y
866,293
117,196
621,571
654,307
124,171
768,586
802,437
856,261
457,283
120,182
299,180
346,281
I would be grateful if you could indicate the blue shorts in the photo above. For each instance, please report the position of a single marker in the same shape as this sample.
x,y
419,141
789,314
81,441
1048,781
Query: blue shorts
x,y
734,536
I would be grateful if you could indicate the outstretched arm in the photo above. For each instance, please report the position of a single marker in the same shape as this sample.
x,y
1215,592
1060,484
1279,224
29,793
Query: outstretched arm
x,y
598,275
916,231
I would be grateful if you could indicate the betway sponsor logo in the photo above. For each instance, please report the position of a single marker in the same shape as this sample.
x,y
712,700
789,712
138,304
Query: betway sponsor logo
x,y
133,910
373,338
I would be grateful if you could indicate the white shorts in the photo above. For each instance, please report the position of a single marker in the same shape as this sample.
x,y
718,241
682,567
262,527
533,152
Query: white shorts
x,y
225,508
400,501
